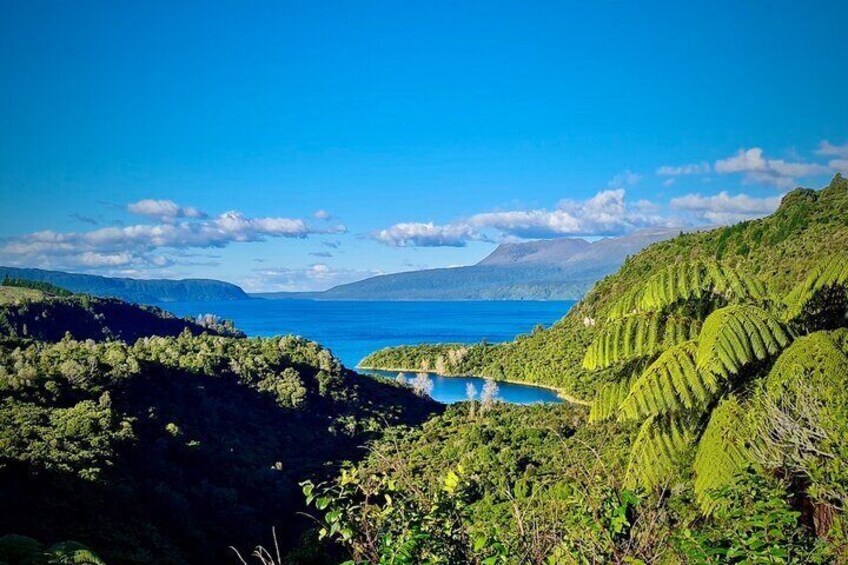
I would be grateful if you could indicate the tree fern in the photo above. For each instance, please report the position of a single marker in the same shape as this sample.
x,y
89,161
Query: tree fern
x,y
735,284
690,280
736,336
639,335
832,273
809,358
658,451
681,281
608,399
629,303
722,452
670,384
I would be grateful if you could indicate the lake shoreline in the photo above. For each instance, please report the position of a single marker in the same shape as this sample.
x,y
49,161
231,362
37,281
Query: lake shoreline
x,y
560,392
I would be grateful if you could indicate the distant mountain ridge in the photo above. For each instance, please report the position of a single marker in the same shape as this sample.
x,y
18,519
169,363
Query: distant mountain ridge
x,y
554,269
133,290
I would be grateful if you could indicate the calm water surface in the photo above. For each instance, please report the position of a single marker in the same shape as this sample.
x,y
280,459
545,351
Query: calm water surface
x,y
352,330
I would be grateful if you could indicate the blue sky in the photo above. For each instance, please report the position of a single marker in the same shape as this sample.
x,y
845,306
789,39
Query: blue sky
x,y
296,145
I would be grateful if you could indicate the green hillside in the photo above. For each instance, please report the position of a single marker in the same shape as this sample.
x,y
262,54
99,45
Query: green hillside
x,y
714,366
174,448
781,249
39,311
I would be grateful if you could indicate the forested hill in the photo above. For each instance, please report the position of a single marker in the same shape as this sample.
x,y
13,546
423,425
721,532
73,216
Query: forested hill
x,y
44,315
150,439
782,249
140,291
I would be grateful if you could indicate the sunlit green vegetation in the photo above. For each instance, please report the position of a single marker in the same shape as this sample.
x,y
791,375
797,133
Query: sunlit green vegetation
x,y
718,431
173,448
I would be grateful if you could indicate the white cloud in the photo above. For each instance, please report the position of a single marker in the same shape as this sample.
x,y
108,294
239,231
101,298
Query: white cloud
x,y
701,168
840,165
725,209
840,152
831,150
419,234
315,277
164,210
322,215
624,178
141,245
777,172
606,213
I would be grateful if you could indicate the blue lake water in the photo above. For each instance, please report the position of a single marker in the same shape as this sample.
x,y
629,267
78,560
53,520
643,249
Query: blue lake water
x,y
353,329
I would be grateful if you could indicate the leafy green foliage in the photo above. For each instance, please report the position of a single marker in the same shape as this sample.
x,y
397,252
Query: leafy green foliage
x,y
722,452
754,523
670,384
638,335
830,273
608,400
537,485
173,448
688,281
800,417
737,336
659,451
15,549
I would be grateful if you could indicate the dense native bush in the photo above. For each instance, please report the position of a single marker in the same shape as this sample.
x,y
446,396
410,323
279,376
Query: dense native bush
x,y
174,448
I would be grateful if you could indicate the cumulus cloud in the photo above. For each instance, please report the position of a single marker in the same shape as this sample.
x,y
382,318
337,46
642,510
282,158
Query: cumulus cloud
x,y
322,215
164,210
606,213
315,277
777,172
725,209
701,168
142,245
418,234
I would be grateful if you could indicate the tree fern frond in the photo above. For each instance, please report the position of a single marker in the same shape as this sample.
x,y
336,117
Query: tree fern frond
x,y
833,272
818,354
722,452
640,335
670,384
608,399
657,452
690,280
735,336
735,284
628,303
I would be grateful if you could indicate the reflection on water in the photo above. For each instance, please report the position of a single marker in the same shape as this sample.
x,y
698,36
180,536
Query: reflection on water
x,y
454,389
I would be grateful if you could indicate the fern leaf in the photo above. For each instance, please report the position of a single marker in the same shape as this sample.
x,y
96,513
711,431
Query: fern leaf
x,y
670,384
735,336
833,272
637,336
810,360
658,451
608,399
722,452
691,280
